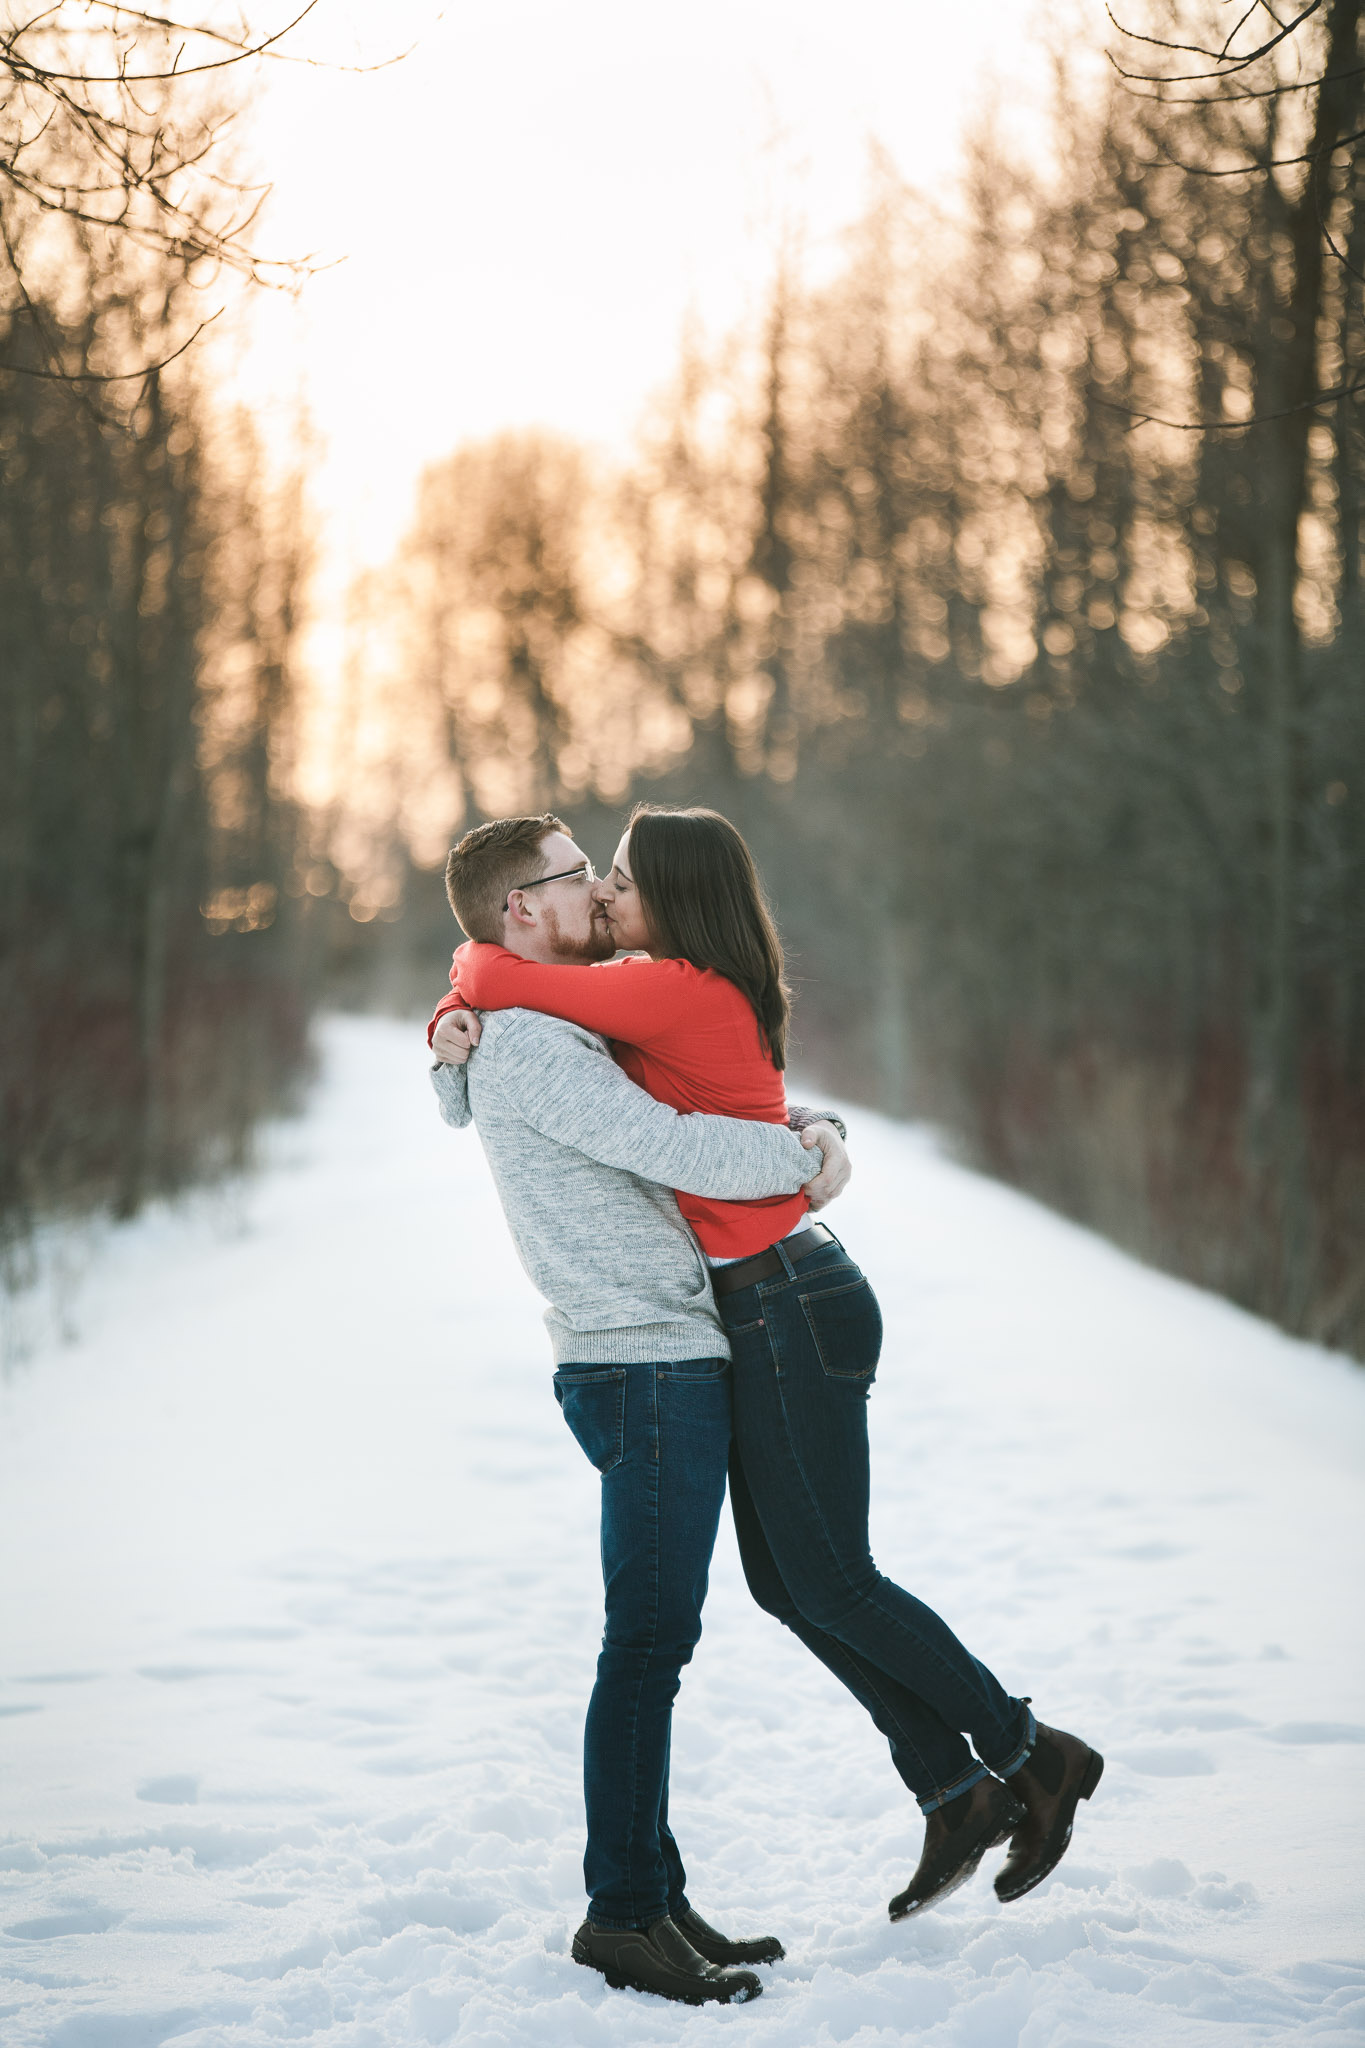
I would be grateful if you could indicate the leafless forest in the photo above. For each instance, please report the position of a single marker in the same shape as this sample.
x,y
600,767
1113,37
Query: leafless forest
x,y
153,1005
1006,590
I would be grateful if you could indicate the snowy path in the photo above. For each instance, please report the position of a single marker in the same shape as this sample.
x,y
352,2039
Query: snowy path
x,y
299,1602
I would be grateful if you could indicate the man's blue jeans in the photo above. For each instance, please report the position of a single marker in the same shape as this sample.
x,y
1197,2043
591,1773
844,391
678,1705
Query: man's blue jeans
x,y
659,1434
805,1346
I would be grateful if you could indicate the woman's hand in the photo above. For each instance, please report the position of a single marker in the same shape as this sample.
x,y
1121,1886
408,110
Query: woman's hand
x,y
837,1171
456,1036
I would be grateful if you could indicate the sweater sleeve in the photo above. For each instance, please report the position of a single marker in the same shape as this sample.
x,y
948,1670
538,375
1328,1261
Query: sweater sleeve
x,y
571,1090
452,1095
633,1000
800,1118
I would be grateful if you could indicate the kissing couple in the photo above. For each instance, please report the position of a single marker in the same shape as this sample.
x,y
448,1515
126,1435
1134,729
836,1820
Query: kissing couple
x,y
619,1044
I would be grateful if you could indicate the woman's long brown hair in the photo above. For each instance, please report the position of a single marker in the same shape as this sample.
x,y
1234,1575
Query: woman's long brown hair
x,y
704,902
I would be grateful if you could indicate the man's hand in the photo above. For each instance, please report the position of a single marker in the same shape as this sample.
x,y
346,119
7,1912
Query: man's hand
x,y
459,1031
835,1174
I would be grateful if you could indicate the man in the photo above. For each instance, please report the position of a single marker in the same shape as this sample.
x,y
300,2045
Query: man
x,y
585,1164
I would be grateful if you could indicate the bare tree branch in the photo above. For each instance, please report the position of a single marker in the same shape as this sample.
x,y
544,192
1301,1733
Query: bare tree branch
x,y
1340,254
1232,99
1260,419
1272,163
113,376
240,52
104,124
1231,64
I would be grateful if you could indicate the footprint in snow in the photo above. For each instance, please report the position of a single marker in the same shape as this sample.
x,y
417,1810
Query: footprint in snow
x,y
59,1677
1207,1720
53,1925
174,1790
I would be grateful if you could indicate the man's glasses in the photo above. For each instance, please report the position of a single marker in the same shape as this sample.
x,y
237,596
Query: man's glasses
x,y
584,872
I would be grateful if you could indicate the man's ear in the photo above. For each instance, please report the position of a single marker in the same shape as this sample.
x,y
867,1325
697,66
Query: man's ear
x,y
518,913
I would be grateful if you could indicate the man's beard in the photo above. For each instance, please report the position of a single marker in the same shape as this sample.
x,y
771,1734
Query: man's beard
x,y
596,944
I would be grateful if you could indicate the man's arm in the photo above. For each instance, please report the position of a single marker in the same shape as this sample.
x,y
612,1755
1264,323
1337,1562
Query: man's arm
x,y
452,1093
453,1037
458,1033
568,1087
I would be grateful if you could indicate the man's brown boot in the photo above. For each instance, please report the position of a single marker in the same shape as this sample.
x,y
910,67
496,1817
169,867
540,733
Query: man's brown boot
x,y
1061,1770
660,1959
956,1837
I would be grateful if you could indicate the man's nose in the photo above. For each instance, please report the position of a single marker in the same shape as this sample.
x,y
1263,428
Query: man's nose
x,y
600,892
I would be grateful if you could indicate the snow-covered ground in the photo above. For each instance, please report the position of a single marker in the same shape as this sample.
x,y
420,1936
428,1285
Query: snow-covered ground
x,y
300,1603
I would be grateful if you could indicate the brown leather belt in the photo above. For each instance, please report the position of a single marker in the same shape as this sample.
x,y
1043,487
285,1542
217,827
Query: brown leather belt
x,y
762,1266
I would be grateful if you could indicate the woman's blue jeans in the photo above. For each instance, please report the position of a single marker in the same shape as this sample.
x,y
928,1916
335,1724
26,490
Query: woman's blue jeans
x,y
659,1434
805,1346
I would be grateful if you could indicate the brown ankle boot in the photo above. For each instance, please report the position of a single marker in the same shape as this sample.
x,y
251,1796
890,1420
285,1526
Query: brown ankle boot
x,y
956,1837
1060,1771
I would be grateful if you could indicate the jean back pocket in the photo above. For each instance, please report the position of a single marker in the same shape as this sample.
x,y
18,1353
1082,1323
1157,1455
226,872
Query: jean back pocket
x,y
593,1398
846,1327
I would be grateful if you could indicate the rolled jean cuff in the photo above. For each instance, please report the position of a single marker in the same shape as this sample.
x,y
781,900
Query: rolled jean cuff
x,y
931,1801
1022,1750
621,1926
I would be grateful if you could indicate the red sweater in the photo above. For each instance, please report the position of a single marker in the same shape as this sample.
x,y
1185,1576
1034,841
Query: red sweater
x,y
684,1034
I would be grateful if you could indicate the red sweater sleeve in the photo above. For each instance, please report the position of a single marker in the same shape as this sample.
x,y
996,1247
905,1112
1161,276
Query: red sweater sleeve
x,y
633,1000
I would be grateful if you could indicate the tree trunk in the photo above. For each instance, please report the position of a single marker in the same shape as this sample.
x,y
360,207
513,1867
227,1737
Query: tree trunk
x,y
1286,382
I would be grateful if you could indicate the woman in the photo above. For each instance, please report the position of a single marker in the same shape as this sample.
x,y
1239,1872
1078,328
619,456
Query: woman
x,y
699,1019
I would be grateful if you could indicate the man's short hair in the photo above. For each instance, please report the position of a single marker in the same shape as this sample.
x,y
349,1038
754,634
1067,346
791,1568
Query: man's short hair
x,y
489,863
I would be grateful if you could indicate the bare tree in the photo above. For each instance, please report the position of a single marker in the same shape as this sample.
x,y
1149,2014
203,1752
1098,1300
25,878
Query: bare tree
x,y
117,129
1288,100
146,835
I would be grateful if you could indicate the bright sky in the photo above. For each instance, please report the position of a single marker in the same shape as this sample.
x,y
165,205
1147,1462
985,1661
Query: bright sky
x,y
536,200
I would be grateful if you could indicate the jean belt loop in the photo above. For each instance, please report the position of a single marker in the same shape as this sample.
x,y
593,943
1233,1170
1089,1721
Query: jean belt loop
x,y
781,1249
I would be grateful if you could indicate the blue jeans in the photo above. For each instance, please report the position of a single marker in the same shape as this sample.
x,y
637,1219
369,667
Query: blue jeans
x,y
805,1346
659,1434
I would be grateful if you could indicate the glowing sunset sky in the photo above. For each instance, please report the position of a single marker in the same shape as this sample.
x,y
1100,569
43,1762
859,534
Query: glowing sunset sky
x,y
532,204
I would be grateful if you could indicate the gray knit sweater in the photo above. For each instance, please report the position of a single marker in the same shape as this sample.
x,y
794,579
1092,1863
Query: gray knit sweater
x,y
584,1163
